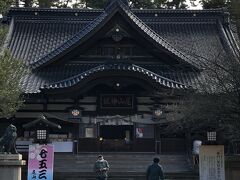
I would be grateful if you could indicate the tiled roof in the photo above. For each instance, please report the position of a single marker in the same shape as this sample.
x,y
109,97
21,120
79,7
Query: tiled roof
x,y
40,35
103,18
32,40
157,38
116,67
32,83
57,77
42,119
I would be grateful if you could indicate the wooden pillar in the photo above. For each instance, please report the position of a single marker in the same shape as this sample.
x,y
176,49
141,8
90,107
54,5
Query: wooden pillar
x,y
157,139
188,142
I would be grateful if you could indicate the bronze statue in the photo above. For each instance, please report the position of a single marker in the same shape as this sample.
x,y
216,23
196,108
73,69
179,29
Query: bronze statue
x,y
8,140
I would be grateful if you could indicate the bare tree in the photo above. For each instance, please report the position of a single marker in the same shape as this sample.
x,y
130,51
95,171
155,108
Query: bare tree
x,y
215,104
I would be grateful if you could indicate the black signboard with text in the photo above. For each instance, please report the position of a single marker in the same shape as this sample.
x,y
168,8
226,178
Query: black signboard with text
x,y
116,103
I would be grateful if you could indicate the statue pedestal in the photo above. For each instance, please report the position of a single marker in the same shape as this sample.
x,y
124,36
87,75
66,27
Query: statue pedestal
x,y
10,166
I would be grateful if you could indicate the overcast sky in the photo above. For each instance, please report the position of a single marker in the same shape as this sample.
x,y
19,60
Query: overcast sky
x,y
190,5
197,3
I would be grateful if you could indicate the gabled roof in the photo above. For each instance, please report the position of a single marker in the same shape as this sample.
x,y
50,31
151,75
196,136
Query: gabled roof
x,y
41,36
103,18
41,120
39,32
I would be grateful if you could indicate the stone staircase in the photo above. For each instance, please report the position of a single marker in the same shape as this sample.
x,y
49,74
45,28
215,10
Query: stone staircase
x,y
123,166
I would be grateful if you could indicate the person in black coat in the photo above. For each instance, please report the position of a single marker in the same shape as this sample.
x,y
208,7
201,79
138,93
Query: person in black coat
x,y
154,171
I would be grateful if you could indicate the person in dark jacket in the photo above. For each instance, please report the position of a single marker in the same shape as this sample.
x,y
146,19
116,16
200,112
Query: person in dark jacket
x,y
154,171
101,167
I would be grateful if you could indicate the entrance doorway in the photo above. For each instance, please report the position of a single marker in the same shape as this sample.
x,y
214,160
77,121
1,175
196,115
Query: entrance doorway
x,y
116,137
116,132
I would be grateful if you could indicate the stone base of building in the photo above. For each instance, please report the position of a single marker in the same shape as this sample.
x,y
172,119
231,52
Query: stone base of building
x,y
10,166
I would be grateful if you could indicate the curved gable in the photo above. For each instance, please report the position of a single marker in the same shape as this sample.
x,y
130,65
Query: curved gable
x,y
72,81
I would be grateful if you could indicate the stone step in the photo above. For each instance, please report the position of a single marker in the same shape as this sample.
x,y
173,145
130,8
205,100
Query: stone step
x,y
119,162
126,176
129,178
123,166
139,178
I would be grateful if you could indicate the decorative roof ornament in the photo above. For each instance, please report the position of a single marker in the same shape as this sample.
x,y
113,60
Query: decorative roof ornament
x,y
118,34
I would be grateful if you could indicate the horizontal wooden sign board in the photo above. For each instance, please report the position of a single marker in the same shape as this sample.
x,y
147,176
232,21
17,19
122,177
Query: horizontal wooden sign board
x,y
112,101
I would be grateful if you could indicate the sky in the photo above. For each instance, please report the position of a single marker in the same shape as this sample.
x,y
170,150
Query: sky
x,y
190,5
198,5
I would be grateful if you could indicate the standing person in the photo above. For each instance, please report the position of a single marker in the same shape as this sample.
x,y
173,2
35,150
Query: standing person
x,y
195,152
101,167
154,171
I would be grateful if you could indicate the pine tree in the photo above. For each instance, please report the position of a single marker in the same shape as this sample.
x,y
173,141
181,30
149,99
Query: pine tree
x,y
209,4
5,5
142,4
11,71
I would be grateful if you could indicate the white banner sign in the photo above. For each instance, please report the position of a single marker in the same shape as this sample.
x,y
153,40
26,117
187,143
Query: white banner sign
x,y
40,162
211,162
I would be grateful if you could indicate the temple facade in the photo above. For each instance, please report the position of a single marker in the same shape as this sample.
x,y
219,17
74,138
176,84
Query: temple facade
x,y
112,78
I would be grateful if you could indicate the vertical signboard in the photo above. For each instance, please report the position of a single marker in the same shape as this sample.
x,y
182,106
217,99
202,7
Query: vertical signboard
x,y
211,163
40,162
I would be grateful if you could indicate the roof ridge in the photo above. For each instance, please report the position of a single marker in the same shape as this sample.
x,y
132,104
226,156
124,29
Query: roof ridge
x,y
32,9
217,10
156,37
69,42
